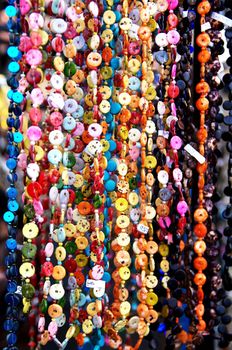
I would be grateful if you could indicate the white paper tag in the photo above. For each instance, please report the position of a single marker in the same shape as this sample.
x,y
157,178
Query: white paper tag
x,y
223,19
163,133
185,14
205,26
194,153
95,283
143,228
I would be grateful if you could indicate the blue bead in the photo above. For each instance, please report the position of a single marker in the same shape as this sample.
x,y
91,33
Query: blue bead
x,y
11,286
82,300
113,145
11,244
11,163
11,338
13,205
10,94
17,97
115,107
10,259
107,155
87,345
109,117
107,230
110,185
8,325
12,299
8,216
112,166
161,328
108,202
118,15
18,137
13,67
101,341
106,175
13,52
106,277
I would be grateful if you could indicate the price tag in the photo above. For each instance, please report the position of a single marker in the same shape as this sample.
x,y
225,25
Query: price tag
x,y
95,283
205,26
142,228
194,153
227,21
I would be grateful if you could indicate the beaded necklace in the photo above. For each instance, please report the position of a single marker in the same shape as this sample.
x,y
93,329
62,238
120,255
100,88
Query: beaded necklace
x,y
200,214
12,297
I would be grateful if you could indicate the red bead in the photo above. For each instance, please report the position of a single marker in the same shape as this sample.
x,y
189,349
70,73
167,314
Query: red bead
x,y
173,90
47,269
35,115
83,315
34,190
70,265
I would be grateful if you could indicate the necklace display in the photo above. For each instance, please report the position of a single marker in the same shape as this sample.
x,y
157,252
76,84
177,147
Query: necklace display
x,y
120,241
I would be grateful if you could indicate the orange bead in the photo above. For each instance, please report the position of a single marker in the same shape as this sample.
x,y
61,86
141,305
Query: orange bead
x,y
203,40
203,8
200,230
200,310
142,310
200,263
203,56
202,104
201,326
199,279
202,88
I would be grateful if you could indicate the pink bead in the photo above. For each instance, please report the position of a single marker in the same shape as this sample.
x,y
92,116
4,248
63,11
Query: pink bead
x,y
173,71
49,249
97,272
95,130
138,280
22,161
25,7
38,207
173,37
164,222
37,96
34,133
176,142
58,44
182,208
69,214
25,43
52,328
56,119
173,108
34,57
172,4
41,324
79,129
134,153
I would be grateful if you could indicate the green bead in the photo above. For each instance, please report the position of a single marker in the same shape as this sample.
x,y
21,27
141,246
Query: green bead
x,y
28,291
29,211
45,56
29,250
97,201
69,159
43,306
62,302
79,197
70,247
69,69
59,184
133,183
